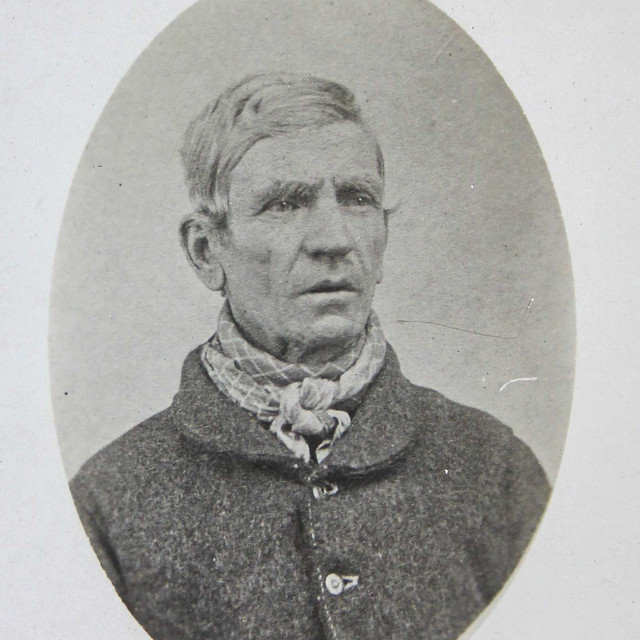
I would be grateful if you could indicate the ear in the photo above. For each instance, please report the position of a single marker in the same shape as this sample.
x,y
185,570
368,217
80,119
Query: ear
x,y
201,245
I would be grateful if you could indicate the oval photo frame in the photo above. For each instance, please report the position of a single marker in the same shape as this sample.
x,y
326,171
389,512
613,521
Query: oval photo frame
x,y
477,297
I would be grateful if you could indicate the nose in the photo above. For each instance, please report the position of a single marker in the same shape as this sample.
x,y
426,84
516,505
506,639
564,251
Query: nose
x,y
327,232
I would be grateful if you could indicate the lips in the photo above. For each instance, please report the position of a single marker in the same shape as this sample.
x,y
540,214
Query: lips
x,y
330,285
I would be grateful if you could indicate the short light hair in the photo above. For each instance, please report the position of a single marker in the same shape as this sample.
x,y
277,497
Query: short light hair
x,y
260,106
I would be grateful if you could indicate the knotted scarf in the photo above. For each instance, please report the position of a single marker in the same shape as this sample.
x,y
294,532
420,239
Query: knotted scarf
x,y
297,401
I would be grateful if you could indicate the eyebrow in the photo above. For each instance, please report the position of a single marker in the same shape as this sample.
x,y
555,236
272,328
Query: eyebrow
x,y
280,189
361,183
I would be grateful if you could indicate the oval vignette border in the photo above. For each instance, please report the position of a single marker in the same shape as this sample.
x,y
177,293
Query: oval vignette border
x,y
478,294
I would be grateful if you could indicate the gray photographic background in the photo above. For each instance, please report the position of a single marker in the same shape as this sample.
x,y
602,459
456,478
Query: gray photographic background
x,y
477,236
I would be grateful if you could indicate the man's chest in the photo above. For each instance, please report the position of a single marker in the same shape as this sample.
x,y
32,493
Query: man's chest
x,y
352,558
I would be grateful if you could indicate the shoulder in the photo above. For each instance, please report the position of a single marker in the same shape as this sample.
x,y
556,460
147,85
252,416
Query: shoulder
x,y
477,442
142,451
454,435
136,458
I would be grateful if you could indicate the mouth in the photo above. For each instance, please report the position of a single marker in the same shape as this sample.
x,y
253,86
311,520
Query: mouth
x,y
331,286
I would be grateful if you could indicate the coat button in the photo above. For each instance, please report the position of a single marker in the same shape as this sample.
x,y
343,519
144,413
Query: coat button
x,y
324,490
336,584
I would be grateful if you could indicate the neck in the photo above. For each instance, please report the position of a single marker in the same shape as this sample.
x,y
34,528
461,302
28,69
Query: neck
x,y
300,349
313,355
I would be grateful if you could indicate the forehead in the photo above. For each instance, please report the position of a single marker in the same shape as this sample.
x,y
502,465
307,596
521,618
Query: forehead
x,y
340,151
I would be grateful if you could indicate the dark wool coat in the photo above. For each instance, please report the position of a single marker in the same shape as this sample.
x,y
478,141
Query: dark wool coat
x,y
209,528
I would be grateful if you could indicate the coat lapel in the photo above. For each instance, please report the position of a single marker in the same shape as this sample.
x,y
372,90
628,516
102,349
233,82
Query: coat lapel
x,y
380,433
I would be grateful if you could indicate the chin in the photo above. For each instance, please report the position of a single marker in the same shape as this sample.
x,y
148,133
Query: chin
x,y
332,329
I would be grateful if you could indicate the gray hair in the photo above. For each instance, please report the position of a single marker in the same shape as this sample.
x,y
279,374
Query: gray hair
x,y
260,106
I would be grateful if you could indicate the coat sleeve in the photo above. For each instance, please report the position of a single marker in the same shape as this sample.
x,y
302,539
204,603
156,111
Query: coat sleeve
x,y
523,493
510,490
527,491
93,523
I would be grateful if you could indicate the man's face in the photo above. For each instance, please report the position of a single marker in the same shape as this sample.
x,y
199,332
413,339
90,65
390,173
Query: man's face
x,y
305,240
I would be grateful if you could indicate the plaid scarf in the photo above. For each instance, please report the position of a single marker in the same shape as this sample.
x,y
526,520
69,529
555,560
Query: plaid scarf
x,y
295,400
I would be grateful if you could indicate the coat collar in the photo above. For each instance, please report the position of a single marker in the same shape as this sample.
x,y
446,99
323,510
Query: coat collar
x,y
381,432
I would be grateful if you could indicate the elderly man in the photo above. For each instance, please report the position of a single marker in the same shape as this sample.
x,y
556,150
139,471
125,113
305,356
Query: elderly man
x,y
299,486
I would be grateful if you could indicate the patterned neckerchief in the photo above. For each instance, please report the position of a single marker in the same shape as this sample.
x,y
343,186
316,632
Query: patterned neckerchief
x,y
296,400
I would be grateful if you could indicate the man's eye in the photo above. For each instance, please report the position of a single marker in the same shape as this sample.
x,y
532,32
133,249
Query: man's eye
x,y
283,205
358,200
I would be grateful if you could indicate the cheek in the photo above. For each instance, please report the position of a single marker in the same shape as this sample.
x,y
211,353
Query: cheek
x,y
249,247
381,243
376,241
376,245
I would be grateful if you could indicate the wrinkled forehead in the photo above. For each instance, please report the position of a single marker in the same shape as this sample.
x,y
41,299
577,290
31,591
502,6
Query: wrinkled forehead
x,y
339,152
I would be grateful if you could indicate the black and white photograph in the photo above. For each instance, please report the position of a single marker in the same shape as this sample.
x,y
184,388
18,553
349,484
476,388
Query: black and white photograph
x,y
310,337
306,480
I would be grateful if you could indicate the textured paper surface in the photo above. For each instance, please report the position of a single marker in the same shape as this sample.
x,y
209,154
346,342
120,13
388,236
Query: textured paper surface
x,y
574,69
